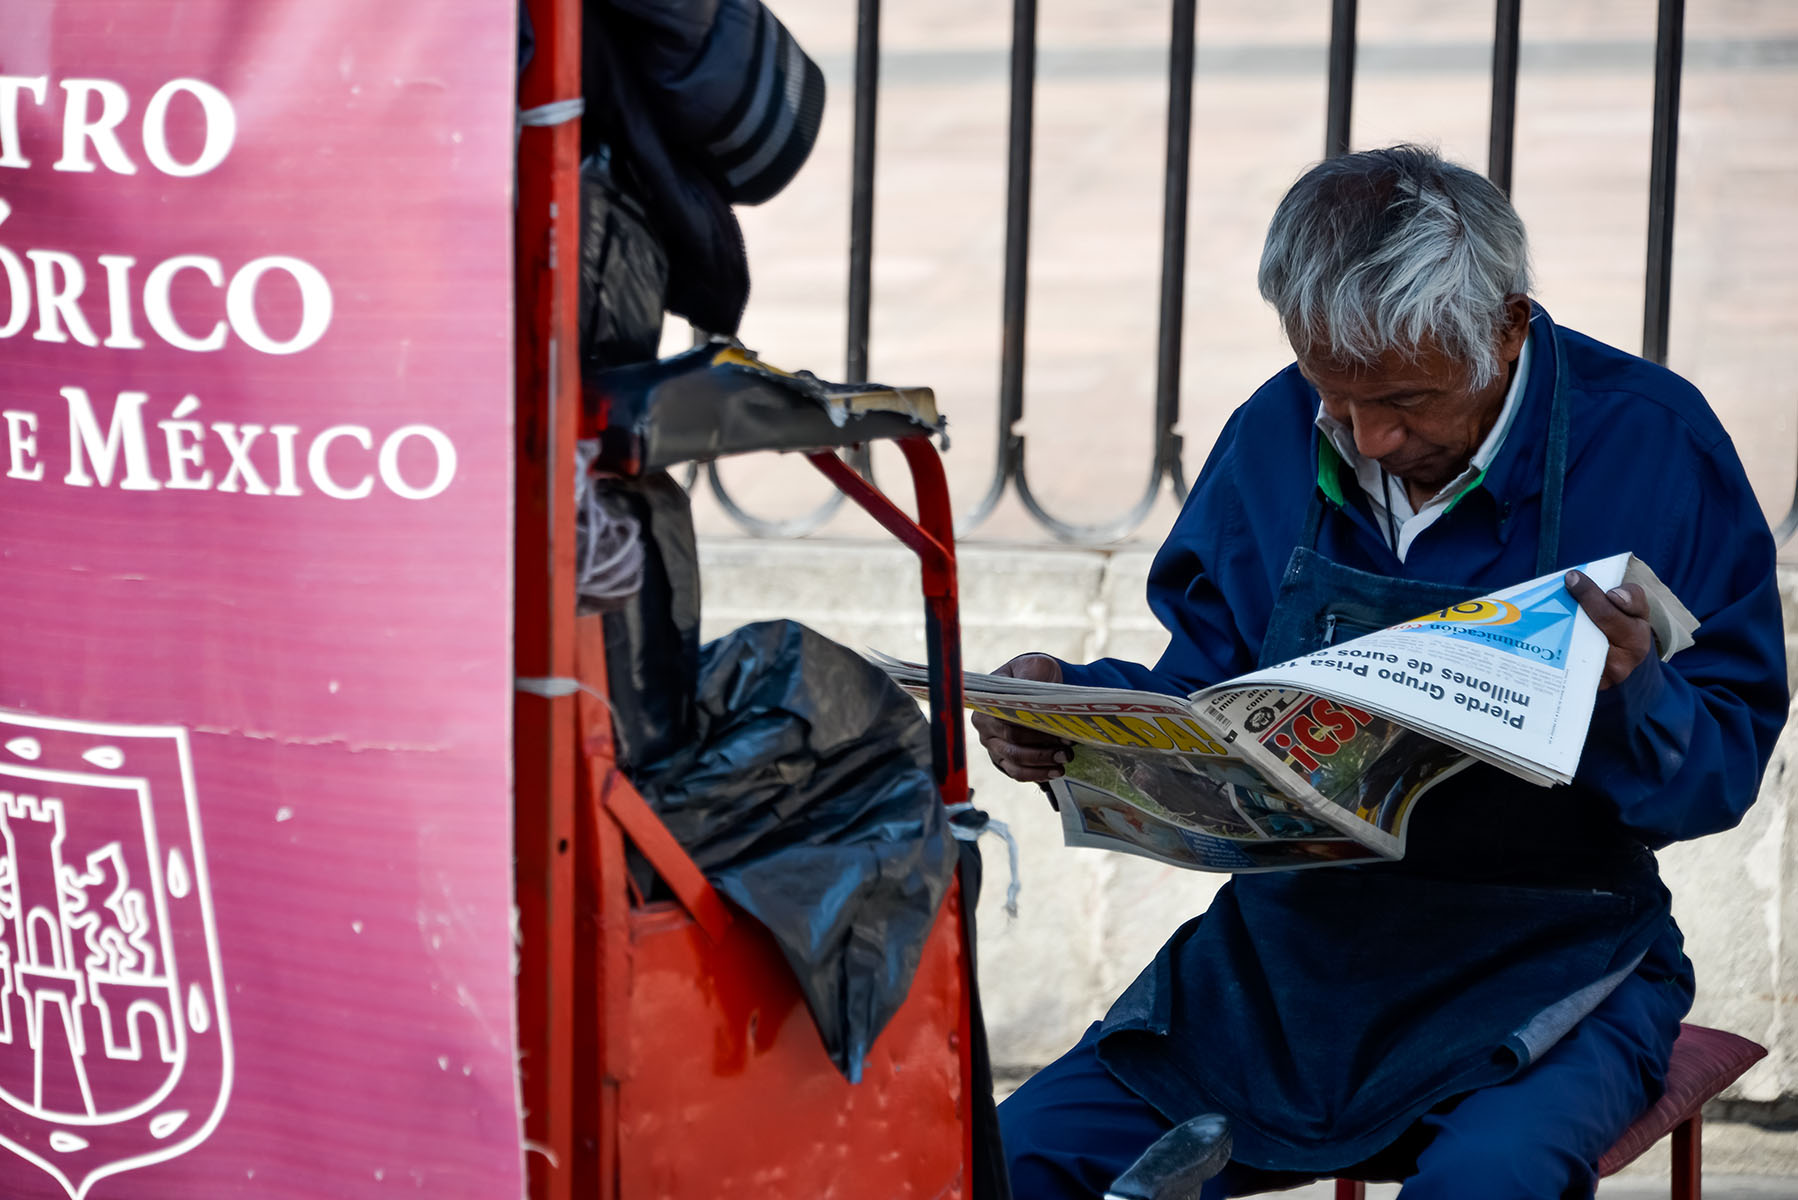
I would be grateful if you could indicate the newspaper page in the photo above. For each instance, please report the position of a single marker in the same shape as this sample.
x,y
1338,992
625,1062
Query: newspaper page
x,y
1148,776
1369,769
1323,759
1099,819
1509,678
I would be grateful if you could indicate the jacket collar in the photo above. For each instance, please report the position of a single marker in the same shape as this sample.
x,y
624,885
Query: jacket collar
x,y
1515,473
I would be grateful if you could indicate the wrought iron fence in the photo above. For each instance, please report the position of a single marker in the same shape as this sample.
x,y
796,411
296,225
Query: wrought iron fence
x,y
1010,469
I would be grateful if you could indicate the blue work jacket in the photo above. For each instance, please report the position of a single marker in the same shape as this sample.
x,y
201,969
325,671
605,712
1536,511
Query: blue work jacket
x,y
1679,746
1675,751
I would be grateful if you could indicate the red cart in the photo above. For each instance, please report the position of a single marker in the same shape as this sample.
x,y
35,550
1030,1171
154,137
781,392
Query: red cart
x,y
665,1050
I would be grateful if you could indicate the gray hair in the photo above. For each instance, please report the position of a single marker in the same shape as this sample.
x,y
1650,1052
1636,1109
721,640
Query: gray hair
x,y
1379,250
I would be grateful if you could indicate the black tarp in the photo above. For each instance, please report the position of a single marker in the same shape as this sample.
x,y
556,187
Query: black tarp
x,y
806,797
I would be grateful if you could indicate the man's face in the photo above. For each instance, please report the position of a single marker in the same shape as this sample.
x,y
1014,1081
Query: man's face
x,y
1416,415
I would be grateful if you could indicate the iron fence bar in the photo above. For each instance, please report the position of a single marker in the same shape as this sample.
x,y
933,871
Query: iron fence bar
x,y
861,277
861,201
1172,454
1342,77
780,527
1669,51
1503,138
1174,208
1086,535
1009,451
861,209
1788,526
1663,183
1173,294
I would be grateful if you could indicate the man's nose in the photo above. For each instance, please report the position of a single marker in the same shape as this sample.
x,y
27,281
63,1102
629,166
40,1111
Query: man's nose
x,y
1378,432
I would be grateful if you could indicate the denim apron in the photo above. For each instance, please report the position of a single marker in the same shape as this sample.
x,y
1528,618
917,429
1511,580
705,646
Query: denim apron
x,y
1324,1010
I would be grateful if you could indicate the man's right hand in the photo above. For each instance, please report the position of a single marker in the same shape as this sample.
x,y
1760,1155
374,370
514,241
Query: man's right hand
x,y
1027,755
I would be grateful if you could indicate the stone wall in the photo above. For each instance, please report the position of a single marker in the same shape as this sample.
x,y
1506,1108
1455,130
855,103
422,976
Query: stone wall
x,y
1088,920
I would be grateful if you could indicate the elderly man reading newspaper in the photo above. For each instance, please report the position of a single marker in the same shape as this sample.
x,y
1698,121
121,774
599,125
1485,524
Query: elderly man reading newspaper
x,y
1485,1016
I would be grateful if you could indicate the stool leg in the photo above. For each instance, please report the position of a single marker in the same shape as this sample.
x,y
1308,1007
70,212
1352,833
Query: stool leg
x,y
1688,1167
1350,1189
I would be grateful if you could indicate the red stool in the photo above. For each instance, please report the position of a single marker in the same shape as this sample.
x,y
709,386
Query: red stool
x,y
1705,1061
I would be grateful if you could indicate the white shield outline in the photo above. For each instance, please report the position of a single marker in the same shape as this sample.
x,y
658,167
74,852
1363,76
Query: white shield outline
x,y
19,752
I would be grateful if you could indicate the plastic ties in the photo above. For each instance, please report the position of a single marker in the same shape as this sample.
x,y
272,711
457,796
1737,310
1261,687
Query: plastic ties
x,y
554,113
554,687
971,833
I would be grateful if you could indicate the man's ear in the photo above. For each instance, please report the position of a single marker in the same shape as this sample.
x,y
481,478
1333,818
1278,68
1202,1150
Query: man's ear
x,y
1516,328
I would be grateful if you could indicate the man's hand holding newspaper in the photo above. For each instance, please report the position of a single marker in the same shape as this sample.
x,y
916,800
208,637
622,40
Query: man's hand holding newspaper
x,y
1321,759
1027,755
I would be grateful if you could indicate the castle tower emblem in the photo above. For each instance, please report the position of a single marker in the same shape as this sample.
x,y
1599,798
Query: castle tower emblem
x,y
115,1048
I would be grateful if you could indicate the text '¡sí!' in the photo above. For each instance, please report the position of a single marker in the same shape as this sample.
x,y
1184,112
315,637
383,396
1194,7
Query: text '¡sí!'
x,y
147,443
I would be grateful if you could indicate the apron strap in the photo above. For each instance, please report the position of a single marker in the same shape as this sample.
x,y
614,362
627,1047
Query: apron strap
x,y
1314,519
1554,468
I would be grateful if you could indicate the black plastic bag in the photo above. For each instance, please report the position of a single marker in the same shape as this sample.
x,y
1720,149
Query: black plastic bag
x,y
624,272
807,799
652,638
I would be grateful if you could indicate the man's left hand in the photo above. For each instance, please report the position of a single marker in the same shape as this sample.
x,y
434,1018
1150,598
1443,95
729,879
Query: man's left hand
x,y
1621,614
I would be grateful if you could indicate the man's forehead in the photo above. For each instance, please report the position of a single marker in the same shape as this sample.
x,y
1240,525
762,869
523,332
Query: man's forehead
x,y
1394,368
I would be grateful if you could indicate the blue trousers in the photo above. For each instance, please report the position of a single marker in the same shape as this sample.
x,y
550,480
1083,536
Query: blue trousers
x,y
1072,1128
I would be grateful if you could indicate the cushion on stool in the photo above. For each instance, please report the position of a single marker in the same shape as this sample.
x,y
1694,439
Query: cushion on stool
x,y
1705,1061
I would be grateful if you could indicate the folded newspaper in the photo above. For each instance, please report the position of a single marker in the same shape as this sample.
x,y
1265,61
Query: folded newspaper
x,y
1321,760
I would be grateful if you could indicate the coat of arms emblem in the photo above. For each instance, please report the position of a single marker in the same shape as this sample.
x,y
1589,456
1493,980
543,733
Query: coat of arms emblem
x,y
115,1050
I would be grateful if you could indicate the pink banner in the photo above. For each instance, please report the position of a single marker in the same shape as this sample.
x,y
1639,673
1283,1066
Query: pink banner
x,y
255,599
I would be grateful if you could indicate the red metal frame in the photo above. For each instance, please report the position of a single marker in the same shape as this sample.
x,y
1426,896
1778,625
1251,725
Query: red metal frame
x,y
603,906
639,823
932,538
547,406
615,930
573,809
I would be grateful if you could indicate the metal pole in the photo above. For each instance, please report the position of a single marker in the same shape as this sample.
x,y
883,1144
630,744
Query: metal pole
x,y
1669,51
1173,293
1017,215
1504,95
568,1112
861,202
1017,260
1342,77
1173,232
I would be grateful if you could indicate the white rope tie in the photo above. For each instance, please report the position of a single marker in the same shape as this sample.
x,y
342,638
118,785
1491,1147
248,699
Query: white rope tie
x,y
556,112
1000,830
